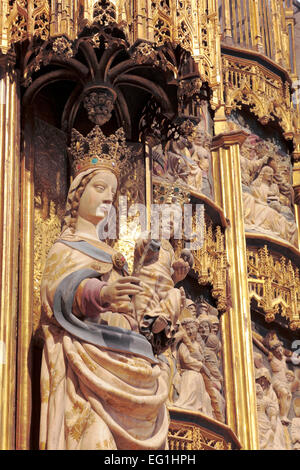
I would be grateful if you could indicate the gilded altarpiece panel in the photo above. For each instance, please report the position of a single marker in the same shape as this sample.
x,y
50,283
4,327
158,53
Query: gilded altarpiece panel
x,y
266,172
277,378
184,157
182,174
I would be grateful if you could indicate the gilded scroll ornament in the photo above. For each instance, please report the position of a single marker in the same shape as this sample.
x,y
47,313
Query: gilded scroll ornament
x,y
275,284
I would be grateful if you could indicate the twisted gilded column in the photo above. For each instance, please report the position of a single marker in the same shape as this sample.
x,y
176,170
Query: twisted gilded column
x,y
236,323
9,246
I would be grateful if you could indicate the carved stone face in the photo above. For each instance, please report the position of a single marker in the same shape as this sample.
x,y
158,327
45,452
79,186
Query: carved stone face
x,y
192,309
290,376
202,308
268,175
204,329
191,329
278,352
263,382
97,198
215,328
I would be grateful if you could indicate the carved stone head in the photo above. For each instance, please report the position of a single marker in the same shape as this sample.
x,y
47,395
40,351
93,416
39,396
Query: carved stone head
x,y
99,104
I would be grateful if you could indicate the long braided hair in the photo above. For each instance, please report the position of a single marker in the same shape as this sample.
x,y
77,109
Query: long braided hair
x,y
74,201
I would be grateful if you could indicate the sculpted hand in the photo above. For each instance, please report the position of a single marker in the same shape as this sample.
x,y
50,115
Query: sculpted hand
x,y
181,269
117,293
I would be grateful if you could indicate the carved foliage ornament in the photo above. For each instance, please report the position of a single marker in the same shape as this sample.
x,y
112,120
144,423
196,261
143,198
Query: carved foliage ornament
x,y
28,18
212,267
188,437
60,47
275,284
104,12
146,53
189,90
266,94
99,105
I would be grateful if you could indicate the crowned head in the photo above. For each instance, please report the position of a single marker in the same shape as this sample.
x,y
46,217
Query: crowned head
x,y
97,151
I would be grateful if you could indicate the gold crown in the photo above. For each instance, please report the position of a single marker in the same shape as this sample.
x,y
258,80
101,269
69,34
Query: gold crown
x,y
166,193
98,151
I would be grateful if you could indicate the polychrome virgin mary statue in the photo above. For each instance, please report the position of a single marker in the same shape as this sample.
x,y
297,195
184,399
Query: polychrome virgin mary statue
x,y
101,385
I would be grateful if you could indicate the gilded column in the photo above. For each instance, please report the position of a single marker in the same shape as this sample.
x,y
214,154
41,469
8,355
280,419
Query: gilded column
x,y
227,21
9,246
25,321
236,323
255,25
142,20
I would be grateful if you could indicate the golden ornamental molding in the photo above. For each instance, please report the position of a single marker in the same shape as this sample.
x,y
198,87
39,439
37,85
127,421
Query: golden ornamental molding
x,y
195,26
267,95
27,18
184,436
211,265
275,284
226,140
190,430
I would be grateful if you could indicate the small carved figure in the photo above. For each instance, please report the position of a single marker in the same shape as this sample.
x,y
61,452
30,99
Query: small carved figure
x,y
159,273
295,426
263,378
191,306
281,373
266,418
186,160
263,209
189,309
211,348
251,162
192,390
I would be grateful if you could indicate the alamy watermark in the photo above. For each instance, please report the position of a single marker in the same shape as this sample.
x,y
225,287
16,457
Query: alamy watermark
x,y
166,221
296,352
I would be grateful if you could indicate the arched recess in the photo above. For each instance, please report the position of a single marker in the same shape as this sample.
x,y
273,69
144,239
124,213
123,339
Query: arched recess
x,y
56,77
